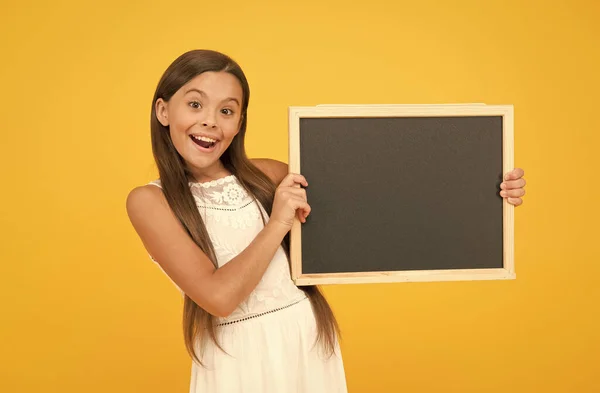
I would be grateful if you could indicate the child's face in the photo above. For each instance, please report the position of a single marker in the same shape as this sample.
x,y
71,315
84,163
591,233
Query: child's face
x,y
203,118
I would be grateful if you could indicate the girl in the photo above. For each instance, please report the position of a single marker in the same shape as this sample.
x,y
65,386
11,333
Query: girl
x,y
217,223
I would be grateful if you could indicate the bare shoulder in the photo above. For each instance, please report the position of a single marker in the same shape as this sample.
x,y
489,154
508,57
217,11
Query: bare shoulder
x,y
144,198
149,211
276,170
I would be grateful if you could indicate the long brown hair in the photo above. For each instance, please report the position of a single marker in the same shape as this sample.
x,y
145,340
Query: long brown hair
x,y
198,324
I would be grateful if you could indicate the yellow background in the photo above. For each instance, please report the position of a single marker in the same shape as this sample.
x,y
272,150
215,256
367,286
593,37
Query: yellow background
x,y
84,309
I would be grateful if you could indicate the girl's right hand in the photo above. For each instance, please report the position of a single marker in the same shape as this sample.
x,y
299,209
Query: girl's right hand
x,y
290,201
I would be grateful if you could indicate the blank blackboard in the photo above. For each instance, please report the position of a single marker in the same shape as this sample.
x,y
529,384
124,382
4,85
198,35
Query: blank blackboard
x,y
402,193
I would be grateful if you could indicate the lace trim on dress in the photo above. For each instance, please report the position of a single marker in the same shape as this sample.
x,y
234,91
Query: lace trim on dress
x,y
213,183
230,193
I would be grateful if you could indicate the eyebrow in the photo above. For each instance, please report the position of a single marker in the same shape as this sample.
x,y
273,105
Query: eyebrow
x,y
203,94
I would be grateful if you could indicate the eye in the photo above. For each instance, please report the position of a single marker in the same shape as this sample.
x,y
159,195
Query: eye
x,y
227,111
194,104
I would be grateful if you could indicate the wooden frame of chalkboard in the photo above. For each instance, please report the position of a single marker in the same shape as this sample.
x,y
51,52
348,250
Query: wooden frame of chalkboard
x,y
344,151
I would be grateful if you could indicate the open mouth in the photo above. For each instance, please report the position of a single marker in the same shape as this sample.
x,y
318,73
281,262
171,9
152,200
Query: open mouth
x,y
203,141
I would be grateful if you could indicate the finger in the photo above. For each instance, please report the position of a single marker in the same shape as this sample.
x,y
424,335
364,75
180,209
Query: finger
x,y
300,205
511,184
519,192
514,174
301,215
299,192
515,201
306,211
293,179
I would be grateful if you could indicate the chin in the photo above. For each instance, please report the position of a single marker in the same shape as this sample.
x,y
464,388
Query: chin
x,y
202,164
203,161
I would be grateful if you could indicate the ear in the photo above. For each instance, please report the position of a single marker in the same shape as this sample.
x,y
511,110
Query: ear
x,y
162,112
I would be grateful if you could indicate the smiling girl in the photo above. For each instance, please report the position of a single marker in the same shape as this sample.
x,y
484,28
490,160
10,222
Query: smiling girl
x,y
217,223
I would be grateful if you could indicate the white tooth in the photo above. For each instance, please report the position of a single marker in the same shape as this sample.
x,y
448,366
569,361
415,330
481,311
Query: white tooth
x,y
203,138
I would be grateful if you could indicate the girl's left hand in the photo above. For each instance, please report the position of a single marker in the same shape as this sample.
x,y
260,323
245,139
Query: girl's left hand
x,y
513,186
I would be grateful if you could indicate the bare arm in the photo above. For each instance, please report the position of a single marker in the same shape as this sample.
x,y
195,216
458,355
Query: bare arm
x,y
218,291
276,170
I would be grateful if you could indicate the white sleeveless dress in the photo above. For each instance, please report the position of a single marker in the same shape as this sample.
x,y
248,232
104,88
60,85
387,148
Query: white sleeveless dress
x,y
269,339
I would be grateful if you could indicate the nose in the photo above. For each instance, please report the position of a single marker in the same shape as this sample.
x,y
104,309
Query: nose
x,y
208,124
208,120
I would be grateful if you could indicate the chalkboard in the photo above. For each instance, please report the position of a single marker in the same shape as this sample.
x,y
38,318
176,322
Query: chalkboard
x,y
402,193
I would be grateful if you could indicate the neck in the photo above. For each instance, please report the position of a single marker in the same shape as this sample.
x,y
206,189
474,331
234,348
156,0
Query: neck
x,y
214,172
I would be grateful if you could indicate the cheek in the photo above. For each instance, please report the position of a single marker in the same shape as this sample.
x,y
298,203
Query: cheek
x,y
178,129
180,120
182,124
231,129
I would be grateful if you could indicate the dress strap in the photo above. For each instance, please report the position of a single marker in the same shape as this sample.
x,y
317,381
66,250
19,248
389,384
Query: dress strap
x,y
155,183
